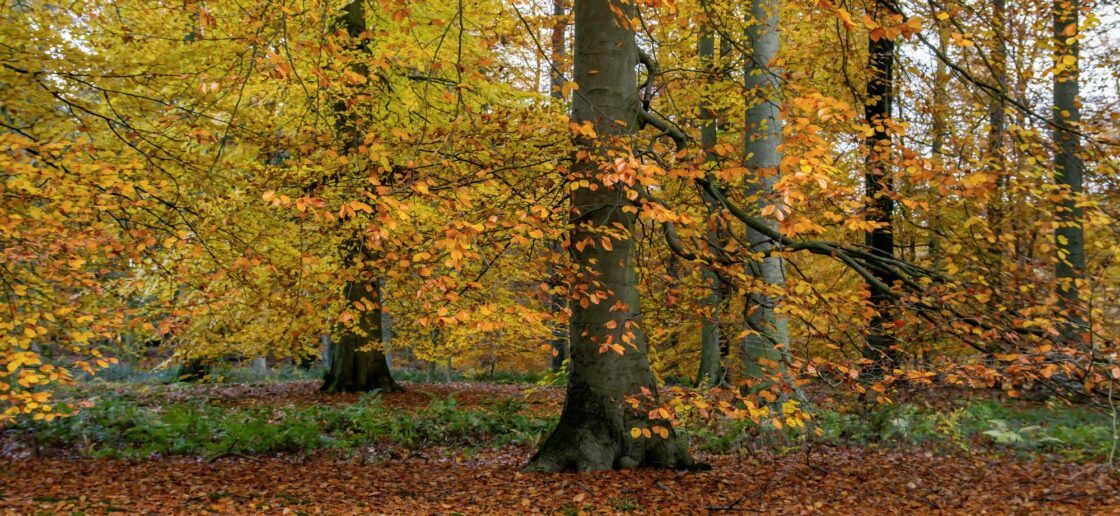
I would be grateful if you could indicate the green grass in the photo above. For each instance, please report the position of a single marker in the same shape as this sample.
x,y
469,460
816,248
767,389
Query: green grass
x,y
117,427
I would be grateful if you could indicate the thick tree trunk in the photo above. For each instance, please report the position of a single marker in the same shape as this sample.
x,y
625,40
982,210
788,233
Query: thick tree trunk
x,y
763,349
195,370
350,367
879,186
1069,168
594,428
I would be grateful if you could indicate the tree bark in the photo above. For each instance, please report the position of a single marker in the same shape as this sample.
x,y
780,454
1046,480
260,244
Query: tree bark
x,y
1069,169
879,187
195,370
710,373
763,347
557,301
594,428
997,165
353,367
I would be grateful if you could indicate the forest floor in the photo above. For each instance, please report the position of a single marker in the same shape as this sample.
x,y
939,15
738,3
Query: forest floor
x,y
832,477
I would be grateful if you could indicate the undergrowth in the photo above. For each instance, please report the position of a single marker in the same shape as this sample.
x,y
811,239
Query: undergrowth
x,y
118,427
1074,433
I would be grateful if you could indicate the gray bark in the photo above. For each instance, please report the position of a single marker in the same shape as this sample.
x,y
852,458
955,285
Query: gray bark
x,y
997,164
594,428
710,373
770,335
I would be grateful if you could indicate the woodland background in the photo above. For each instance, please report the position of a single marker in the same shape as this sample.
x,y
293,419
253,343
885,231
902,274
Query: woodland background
x,y
803,250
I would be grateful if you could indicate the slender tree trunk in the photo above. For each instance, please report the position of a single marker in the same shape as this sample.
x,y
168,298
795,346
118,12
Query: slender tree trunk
x,y
594,428
557,300
387,336
1069,168
711,370
557,304
940,131
879,186
763,348
997,165
351,367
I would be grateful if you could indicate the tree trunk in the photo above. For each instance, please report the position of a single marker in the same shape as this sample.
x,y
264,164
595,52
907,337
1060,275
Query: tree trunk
x,y
594,428
557,301
940,130
879,186
195,370
997,166
557,304
1068,168
352,368
763,349
710,373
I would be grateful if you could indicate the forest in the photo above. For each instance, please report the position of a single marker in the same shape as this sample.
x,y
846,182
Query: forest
x,y
559,256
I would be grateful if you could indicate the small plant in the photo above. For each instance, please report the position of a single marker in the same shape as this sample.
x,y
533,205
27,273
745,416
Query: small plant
x,y
625,504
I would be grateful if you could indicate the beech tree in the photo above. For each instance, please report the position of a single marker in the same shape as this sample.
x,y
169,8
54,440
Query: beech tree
x,y
1068,168
608,345
356,362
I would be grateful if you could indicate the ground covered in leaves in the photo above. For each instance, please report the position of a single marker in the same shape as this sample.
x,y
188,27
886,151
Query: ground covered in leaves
x,y
383,476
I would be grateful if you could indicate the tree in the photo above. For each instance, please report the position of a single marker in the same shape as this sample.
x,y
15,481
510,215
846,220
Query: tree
x,y
879,185
1068,169
352,365
608,346
712,345
557,300
769,332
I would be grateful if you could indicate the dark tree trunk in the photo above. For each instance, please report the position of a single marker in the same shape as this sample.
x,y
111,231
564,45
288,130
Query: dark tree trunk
x,y
353,367
1069,169
879,185
594,428
195,370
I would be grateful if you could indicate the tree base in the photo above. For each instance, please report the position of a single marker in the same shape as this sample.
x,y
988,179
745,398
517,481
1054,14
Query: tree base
x,y
383,384
594,435
193,371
